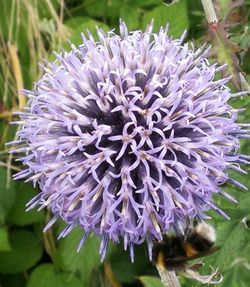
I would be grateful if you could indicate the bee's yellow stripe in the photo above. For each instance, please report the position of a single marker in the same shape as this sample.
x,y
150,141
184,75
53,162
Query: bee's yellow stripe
x,y
160,260
189,250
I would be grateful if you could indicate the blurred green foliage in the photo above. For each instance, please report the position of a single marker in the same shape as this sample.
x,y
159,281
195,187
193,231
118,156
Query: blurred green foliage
x,y
29,31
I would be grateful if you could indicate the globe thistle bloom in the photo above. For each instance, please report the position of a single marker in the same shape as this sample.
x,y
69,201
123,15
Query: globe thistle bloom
x,y
129,136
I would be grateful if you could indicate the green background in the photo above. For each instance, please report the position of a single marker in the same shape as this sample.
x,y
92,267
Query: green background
x,y
29,31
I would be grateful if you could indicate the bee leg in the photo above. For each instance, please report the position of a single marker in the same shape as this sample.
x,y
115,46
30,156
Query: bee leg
x,y
196,266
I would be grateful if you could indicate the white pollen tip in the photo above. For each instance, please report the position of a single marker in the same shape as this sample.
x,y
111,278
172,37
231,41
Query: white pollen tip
x,y
206,231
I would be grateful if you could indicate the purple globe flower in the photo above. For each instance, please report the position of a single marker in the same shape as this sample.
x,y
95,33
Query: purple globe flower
x,y
129,136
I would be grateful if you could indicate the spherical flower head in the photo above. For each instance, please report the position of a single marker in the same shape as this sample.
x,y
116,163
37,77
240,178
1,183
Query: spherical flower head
x,y
129,136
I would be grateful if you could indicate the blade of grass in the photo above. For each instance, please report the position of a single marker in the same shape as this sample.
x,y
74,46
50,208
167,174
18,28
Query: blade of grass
x,y
16,68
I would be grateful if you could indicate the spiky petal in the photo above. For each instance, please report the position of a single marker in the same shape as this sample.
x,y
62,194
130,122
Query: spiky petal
x,y
129,136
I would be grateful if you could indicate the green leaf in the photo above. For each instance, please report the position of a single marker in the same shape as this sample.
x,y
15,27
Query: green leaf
x,y
233,257
130,15
149,281
238,274
81,25
12,280
102,8
18,214
121,265
176,15
26,251
233,239
144,3
244,202
7,195
4,240
45,275
83,262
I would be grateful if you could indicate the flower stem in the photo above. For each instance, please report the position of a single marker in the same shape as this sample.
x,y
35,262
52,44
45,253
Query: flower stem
x,y
168,277
111,276
209,11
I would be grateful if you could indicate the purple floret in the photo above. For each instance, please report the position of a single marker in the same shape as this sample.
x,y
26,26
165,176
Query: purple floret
x,y
130,136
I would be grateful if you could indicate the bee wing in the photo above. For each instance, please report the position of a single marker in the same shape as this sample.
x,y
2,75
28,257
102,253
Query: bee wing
x,y
179,259
205,253
175,260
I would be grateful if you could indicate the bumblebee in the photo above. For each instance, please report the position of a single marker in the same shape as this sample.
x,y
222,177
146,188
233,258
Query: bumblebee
x,y
174,251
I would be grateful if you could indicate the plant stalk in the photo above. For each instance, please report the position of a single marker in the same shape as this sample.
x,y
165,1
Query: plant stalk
x,y
209,11
168,277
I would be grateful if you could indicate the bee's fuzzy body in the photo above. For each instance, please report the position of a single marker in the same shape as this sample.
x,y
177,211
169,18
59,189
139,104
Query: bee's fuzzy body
x,y
173,251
